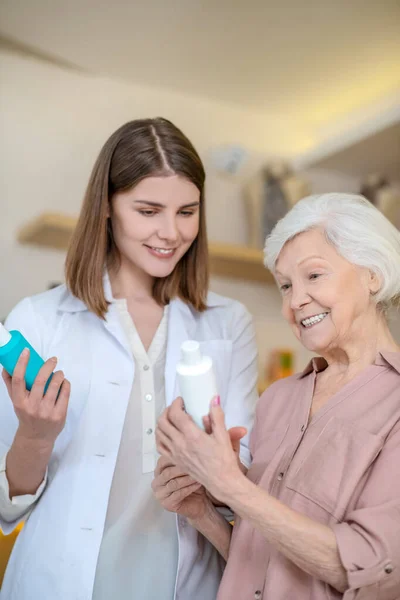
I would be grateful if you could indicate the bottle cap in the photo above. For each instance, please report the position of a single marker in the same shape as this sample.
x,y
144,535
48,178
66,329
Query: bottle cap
x,y
190,352
5,336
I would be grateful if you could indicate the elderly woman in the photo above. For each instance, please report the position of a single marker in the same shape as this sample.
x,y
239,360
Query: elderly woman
x,y
318,512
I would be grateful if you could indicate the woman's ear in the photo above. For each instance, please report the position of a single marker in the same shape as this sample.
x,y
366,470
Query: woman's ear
x,y
374,283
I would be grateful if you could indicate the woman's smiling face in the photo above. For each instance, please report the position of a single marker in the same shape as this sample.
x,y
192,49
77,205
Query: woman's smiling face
x,y
325,298
155,223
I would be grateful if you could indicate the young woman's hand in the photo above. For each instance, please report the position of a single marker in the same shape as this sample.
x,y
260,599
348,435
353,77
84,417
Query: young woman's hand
x,y
41,415
206,457
177,492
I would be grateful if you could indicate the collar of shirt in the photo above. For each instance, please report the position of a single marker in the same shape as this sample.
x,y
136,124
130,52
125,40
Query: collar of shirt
x,y
318,363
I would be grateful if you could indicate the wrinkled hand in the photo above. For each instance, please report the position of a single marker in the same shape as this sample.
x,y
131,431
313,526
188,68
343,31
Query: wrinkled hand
x,y
177,492
208,458
41,416
235,435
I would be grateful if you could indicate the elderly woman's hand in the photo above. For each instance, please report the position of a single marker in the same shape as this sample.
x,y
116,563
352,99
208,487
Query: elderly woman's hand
x,y
208,458
177,492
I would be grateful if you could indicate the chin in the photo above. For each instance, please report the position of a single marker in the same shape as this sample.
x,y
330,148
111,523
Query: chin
x,y
319,349
161,271
315,349
318,346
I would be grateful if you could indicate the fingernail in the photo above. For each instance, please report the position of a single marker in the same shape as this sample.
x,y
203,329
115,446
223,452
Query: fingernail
x,y
25,352
216,401
54,359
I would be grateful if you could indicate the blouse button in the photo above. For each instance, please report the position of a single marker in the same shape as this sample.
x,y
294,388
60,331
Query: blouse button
x,y
389,569
303,428
146,368
257,595
280,477
148,397
149,431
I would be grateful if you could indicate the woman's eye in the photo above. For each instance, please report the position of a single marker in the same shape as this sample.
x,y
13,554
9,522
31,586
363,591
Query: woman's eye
x,y
186,213
147,213
314,275
285,287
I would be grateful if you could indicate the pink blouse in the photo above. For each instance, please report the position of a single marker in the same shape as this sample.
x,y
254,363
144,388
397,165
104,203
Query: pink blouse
x,y
343,470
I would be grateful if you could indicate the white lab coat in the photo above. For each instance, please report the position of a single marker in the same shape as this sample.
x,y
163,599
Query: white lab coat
x,y
56,554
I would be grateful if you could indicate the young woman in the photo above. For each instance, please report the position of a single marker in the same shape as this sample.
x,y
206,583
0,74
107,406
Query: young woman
x,y
79,459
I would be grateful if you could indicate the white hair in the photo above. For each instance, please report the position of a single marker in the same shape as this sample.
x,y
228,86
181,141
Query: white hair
x,y
358,231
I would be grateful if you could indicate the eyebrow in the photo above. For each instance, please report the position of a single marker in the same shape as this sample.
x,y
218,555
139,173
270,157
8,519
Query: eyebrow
x,y
309,258
159,205
301,262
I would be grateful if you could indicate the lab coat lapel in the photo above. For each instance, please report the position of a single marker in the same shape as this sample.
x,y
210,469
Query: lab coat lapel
x,y
112,321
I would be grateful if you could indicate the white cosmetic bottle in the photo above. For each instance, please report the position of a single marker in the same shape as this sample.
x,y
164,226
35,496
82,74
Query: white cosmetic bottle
x,y
197,382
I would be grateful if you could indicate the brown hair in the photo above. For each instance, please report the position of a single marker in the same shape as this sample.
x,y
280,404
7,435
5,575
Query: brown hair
x,y
139,149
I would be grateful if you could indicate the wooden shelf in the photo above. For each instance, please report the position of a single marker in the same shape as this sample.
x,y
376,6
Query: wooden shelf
x,y
54,230
238,262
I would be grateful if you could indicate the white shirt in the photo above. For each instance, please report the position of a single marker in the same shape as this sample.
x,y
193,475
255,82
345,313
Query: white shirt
x,y
139,534
57,551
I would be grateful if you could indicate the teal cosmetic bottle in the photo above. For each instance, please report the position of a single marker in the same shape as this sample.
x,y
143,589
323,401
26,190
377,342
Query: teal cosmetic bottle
x,y
11,345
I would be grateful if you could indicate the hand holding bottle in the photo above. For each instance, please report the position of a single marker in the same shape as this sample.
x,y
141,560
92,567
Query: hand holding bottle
x,y
41,414
207,458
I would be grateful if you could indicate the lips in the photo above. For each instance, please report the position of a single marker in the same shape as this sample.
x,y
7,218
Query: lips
x,y
161,252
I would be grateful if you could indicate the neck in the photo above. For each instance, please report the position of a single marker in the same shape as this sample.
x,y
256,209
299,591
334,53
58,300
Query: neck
x,y
361,349
128,281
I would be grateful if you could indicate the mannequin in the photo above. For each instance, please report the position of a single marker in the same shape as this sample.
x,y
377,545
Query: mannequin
x,y
268,196
384,196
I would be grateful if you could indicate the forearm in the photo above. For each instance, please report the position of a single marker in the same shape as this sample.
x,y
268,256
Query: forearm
x,y
307,543
26,465
216,529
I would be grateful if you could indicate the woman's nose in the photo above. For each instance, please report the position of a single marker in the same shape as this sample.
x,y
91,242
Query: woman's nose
x,y
168,230
299,297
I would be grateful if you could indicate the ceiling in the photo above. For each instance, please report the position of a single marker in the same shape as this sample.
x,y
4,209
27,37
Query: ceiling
x,y
378,153
312,60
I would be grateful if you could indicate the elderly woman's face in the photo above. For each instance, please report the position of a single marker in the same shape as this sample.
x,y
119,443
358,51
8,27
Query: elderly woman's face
x,y
325,298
